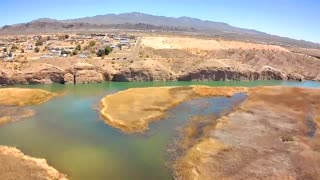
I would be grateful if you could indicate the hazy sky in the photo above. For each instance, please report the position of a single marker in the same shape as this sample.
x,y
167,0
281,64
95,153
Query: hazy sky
x,y
298,19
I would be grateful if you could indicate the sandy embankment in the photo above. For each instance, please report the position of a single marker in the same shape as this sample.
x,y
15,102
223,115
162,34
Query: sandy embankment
x,y
273,135
17,166
13,102
132,110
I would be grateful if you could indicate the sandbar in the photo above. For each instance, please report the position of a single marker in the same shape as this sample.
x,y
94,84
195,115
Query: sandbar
x,y
14,103
132,110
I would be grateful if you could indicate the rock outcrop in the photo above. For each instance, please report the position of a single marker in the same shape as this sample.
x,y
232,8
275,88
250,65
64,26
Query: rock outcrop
x,y
270,73
10,77
149,70
218,74
212,73
82,73
295,77
45,74
15,165
317,78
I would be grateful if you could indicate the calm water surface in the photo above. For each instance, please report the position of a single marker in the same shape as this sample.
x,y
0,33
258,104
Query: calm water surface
x,y
69,133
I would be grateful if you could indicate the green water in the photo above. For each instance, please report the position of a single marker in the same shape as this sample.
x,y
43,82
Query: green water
x,y
69,133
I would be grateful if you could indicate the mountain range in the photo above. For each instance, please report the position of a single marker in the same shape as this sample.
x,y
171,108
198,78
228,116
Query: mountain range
x,y
146,22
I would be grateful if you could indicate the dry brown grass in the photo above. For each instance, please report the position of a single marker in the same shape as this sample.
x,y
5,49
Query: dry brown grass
x,y
13,100
268,137
24,97
132,110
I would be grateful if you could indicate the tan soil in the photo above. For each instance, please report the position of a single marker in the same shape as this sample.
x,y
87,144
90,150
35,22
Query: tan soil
x,y
14,165
273,135
195,46
171,58
132,110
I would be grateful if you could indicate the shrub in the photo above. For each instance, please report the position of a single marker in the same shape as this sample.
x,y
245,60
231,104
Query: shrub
x,y
78,47
92,43
101,53
108,50
74,53
14,47
39,42
37,50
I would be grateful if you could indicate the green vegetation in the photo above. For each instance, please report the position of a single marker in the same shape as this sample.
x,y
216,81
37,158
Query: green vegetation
x,y
92,43
37,50
78,47
39,42
103,52
108,50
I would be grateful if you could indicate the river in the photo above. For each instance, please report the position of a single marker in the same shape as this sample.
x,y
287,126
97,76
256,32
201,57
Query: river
x,y
68,131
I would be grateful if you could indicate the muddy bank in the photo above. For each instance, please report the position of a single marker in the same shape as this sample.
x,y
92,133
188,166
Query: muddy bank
x,y
132,110
14,103
15,165
274,134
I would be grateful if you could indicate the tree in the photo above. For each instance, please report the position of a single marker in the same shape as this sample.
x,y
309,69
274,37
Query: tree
x,y
108,50
14,47
66,36
92,43
5,50
39,42
101,53
78,47
22,50
74,53
37,50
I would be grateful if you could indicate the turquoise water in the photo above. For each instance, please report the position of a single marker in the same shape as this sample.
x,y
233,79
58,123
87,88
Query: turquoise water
x,y
69,133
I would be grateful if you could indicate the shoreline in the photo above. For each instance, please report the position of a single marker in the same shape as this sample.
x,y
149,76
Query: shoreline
x,y
15,164
267,131
15,103
133,101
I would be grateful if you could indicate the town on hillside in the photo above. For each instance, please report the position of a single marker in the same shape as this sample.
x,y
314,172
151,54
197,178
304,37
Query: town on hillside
x,y
95,45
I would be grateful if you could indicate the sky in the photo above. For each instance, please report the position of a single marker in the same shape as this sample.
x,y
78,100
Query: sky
x,y
299,19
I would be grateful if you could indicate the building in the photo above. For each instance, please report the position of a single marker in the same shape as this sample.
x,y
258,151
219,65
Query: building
x,y
55,53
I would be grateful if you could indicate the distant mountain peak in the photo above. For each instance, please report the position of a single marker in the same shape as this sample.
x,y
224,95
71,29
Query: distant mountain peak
x,y
141,20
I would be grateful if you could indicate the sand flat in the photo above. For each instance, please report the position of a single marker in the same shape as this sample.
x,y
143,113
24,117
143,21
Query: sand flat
x,y
194,44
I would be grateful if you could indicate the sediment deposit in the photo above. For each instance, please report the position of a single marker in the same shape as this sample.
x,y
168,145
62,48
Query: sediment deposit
x,y
132,110
14,102
273,135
